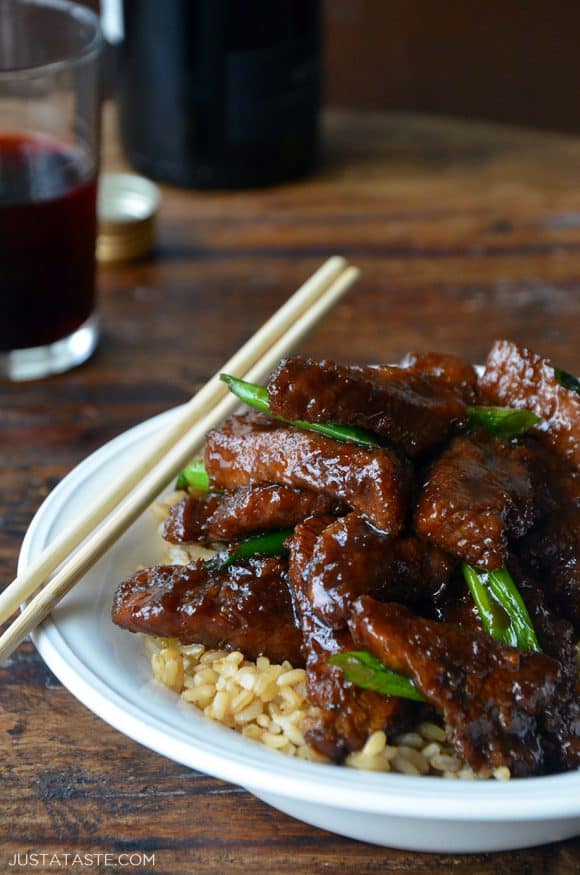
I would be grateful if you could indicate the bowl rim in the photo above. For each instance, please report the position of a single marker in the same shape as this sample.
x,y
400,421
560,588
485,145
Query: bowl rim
x,y
227,755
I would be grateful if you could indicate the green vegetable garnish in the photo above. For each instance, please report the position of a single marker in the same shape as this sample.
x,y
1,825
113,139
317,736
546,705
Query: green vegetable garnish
x,y
501,607
364,670
195,476
503,586
494,618
568,381
270,544
504,422
257,398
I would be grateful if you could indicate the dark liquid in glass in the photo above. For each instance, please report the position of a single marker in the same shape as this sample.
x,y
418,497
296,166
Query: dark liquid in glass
x,y
47,240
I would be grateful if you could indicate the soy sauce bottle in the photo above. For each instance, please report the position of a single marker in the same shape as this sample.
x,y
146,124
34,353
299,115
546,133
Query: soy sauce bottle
x,y
220,93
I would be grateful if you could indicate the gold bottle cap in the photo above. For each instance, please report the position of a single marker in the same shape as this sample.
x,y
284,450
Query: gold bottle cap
x,y
126,208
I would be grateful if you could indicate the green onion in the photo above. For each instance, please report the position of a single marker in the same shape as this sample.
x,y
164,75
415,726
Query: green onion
x,y
494,618
503,586
270,544
505,422
500,606
364,670
194,475
250,393
257,398
568,381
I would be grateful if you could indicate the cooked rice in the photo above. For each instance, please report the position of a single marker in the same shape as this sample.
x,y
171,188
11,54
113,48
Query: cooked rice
x,y
269,703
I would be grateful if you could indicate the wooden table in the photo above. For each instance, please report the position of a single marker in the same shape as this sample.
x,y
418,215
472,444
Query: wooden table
x,y
464,233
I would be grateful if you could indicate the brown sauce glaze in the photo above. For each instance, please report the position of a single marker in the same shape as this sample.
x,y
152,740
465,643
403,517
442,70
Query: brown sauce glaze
x,y
477,492
348,714
245,607
406,406
517,377
251,449
492,696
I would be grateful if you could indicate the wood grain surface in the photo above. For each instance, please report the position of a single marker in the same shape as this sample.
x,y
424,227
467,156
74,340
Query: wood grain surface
x,y
463,233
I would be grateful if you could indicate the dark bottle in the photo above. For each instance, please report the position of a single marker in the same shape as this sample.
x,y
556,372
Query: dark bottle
x,y
221,93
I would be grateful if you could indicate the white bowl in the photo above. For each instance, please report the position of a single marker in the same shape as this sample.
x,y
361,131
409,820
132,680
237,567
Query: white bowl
x,y
106,669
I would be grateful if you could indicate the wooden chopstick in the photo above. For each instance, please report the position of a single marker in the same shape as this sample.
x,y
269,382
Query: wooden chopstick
x,y
27,583
170,455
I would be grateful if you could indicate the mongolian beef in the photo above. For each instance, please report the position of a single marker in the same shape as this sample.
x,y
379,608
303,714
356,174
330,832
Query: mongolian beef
x,y
394,555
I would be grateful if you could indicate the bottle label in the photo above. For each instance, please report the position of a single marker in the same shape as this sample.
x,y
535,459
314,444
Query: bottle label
x,y
269,89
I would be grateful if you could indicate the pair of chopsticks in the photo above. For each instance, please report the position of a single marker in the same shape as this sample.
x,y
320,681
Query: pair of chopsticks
x,y
72,553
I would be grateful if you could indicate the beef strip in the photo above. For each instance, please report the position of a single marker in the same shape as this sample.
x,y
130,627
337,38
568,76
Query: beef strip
x,y
476,494
553,551
188,519
556,636
261,508
459,609
516,377
459,375
552,547
349,558
348,714
556,485
561,720
419,573
491,695
403,405
251,449
249,509
245,607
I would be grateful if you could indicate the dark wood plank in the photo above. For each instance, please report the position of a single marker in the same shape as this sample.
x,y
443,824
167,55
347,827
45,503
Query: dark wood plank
x,y
464,233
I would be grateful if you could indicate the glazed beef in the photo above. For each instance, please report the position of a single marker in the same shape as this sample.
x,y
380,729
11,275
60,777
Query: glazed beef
x,y
516,377
556,485
245,607
418,574
403,405
493,697
459,609
477,493
552,548
375,548
251,449
459,375
349,714
556,636
188,519
263,508
250,509
349,559
553,551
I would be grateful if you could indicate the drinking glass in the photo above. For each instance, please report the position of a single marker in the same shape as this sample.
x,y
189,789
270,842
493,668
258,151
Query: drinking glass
x,y
50,78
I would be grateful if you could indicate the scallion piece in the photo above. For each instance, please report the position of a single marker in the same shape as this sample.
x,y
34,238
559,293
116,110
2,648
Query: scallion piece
x,y
364,670
503,586
269,544
493,616
195,476
504,422
501,607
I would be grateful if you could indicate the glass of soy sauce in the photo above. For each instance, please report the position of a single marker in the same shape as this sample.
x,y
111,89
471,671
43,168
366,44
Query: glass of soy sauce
x,y
49,143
